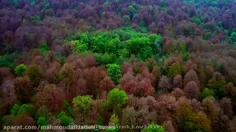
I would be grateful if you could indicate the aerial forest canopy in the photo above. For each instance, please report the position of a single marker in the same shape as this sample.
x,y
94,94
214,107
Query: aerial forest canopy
x,y
119,65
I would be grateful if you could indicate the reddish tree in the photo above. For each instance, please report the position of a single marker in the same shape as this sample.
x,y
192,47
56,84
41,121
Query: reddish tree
x,y
26,120
147,74
105,86
169,126
90,61
226,106
177,93
126,78
144,88
81,87
190,65
67,49
178,81
94,75
191,89
164,83
50,96
4,73
8,92
126,67
51,72
67,73
139,67
130,87
191,75
143,109
223,124
23,119
39,60
157,73
10,120
23,88
166,108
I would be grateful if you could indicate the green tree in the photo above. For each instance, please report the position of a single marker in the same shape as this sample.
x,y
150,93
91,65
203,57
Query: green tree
x,y
126,18
123,52
82,104
197,20
217,84
174,69
113,122
14,2
26,108
42,112
111,46
155,43
35,73
42,121
15,109
8,60
132,9
114,72
233,36
117,97
135,45
153,128
189,121
146,53
102,41
206,93
79,46
65,120
43,48
20,70
68,108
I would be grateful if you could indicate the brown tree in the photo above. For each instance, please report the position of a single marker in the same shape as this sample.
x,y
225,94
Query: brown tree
x,y
93,76
166,108
164,83
226,106
23,88
191,75
190,65
51,72
8,92
144,88
126,78
126,67
129,117
178,81
177,93
4,73
191,89
105,86
169,126
67,49
50,96
67,73
157,73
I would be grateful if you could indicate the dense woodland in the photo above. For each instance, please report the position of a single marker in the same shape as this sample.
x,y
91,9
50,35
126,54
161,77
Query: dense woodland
x,y
168,65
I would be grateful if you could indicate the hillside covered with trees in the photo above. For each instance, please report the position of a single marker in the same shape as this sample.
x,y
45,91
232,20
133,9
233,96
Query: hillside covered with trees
x,y
135,65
